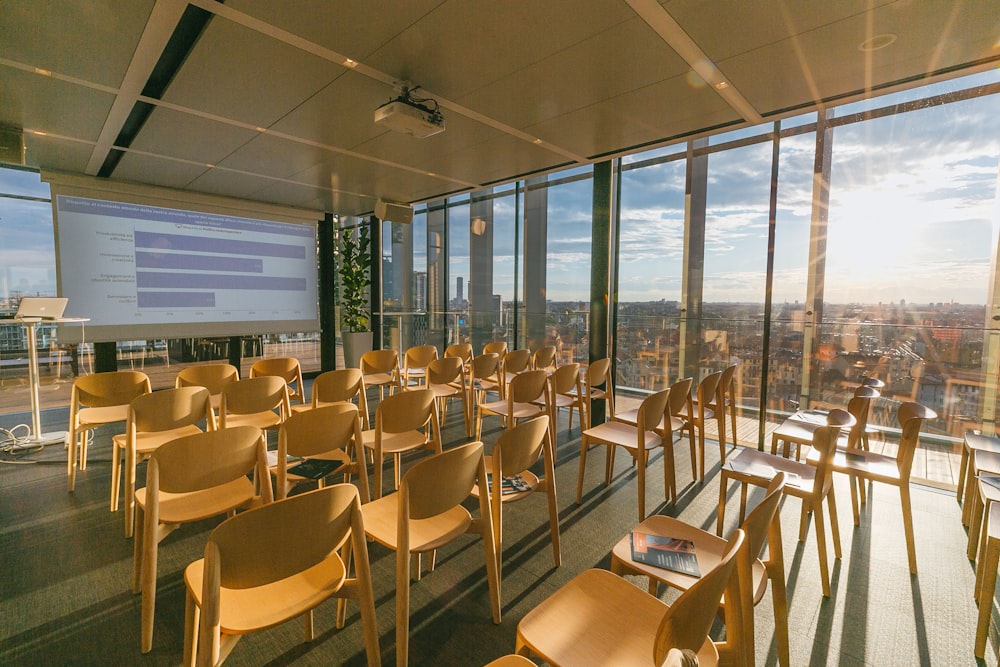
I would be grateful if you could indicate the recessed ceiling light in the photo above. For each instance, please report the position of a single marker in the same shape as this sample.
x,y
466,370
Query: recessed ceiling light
x,y
350,63
537,141
877,42
43,72
722,85
431,173
261,129
39,133
210,165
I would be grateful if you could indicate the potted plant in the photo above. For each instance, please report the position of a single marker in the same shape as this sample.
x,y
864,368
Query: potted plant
x,y
355,280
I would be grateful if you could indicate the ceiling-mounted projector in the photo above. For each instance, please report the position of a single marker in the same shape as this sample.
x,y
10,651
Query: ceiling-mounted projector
x,y
417,117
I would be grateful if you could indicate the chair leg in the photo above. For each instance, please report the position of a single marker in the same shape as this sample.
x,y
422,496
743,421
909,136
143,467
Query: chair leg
x,y
402,607
855,482
609,464
721,513
641,458
831,503
554,522
583,463
779,596
308,627
911,549
991,561
976,513
963,471
116,474
669,476
72,442
694,458
192,615
824,566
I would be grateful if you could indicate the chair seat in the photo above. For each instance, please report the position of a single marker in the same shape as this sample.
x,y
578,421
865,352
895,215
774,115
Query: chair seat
x,y
708,548
621,435
394,443
446,390
380,518
598,618
105,415
248,609
262,420
878,467
147,442
758,468
521,410
375,379
197,505
631,417
528,477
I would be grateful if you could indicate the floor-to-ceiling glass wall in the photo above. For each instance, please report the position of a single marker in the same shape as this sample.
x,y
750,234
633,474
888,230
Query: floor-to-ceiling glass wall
x,y
650,268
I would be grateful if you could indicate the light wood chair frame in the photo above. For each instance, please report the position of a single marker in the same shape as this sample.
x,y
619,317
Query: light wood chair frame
x,y
404,422
343,385
287,368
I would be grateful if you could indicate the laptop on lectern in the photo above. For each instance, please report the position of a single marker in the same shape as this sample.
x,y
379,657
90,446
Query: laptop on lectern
x,y
46,308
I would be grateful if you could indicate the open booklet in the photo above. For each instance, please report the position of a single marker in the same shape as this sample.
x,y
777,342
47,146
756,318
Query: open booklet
x,y
670,553
510,485
314,468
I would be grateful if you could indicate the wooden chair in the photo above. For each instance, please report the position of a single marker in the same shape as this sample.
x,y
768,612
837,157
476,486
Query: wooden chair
x,y
497,347
187,480
601,619
861,466
544,358
511,660
798,429
96,400
415,361
565,392
326,433
446,378
210,376
427,513
484,377
596,387
699,413
153,420
514,453
239,588
260,401
287,368
725,401
986,577
461,350
404,422
810,483
344,385
637,439
763,523
381,369
519,401
678,403
514,362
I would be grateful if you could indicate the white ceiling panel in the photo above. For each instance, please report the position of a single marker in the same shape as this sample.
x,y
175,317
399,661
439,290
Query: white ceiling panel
x,y
54,35
50,105
153,170
269,155
56,154
180,135
241,74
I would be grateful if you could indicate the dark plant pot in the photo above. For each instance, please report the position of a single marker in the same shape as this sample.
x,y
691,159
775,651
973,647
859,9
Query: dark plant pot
x,y
356,343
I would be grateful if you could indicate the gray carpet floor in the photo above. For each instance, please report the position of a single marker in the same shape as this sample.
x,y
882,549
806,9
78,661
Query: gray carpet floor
x,y
65,593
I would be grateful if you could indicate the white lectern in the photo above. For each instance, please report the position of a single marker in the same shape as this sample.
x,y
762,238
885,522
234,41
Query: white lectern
x,y
31,324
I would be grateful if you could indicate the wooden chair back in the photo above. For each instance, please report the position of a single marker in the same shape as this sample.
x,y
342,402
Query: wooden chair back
x,y
329,430
380,361
707,390
461,350
287,368
859,406
442,481
516,361
689,619
169,409
566,378
419,356
680,396
299,532
213,458
725,384
252,395
911,416
406,411
486,365
520,447
339,386
758,522
527,386
544,357
210,376
652,409
599,373
497,347
825,443
445,371
103,390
